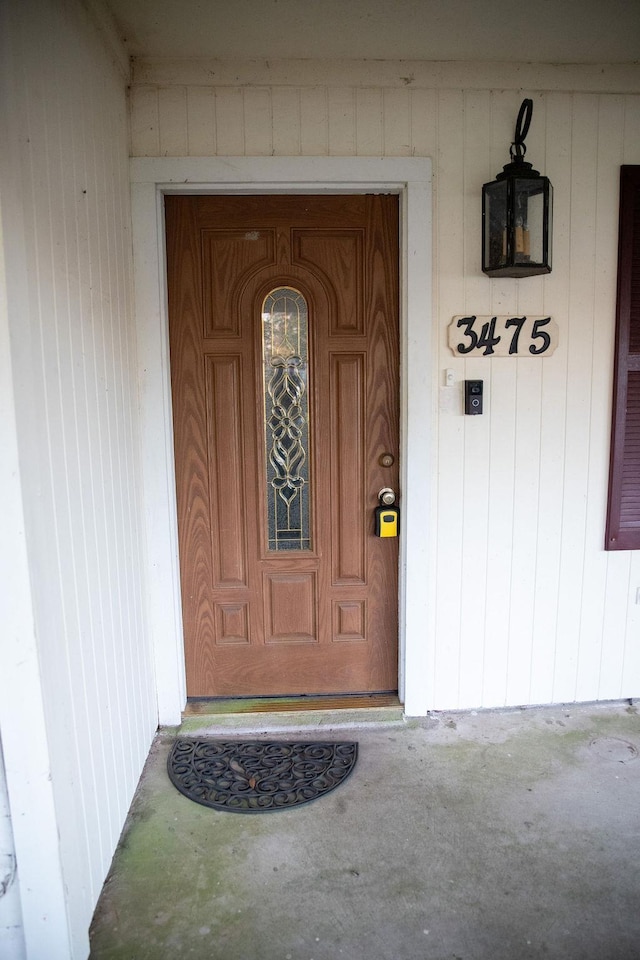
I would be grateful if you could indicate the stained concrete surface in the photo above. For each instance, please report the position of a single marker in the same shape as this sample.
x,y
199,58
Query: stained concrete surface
x,y
476,836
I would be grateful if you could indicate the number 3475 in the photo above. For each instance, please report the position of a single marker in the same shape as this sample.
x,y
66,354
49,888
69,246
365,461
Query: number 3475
x,y
503,336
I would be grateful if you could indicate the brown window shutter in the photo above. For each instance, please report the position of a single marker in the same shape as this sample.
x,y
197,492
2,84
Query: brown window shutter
x,y
623,514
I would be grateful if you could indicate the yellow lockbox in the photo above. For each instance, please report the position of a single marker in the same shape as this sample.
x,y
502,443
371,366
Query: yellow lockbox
x,y
387,521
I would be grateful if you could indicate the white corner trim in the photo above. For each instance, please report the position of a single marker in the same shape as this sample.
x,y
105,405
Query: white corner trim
x,y
410,177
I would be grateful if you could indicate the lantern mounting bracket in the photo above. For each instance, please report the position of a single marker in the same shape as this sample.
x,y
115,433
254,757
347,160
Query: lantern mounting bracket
x,y
518,147
517,150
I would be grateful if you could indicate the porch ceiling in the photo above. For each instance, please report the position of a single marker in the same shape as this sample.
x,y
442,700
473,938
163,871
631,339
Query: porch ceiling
x,y
552,31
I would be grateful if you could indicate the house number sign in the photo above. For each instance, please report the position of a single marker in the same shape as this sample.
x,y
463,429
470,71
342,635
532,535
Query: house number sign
x,y
488,336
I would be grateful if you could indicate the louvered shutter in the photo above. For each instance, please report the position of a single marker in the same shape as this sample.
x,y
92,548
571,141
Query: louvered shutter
x,y
623,514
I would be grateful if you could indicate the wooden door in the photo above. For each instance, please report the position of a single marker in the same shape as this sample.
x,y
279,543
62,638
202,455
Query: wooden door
x,y
283,314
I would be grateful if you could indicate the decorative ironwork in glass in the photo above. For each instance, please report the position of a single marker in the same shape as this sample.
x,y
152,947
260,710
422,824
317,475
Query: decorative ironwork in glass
x,y
285,361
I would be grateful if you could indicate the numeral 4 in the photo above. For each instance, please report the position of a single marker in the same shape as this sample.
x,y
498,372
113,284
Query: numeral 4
x,y
487,338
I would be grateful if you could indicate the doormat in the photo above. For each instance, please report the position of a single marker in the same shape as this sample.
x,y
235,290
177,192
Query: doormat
x,y
258,776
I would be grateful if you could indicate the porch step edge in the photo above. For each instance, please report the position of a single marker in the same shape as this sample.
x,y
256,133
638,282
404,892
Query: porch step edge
x,y
290,721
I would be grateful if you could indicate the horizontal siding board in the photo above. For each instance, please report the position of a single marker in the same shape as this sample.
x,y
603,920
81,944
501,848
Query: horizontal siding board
x,y
415,74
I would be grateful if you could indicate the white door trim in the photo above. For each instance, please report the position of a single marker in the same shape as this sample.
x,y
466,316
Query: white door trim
x,y
410,177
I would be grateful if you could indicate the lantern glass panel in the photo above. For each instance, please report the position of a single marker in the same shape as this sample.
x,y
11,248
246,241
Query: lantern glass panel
x,y
528,221
495,225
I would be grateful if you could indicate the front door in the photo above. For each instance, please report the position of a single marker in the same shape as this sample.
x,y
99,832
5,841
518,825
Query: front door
x,y
283,316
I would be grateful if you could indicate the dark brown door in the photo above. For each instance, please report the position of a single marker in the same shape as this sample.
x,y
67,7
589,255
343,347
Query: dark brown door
x,y
283,317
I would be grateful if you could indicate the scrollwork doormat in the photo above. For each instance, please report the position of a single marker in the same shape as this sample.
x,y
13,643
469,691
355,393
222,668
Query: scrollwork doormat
x,y
257,776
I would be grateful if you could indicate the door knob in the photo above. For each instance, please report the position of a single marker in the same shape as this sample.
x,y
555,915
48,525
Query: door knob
x,y
387,516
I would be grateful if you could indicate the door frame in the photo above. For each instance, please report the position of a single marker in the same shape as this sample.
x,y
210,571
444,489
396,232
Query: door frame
x,y
410,178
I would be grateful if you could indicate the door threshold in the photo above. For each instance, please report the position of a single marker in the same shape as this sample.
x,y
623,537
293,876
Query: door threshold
x,y
278,713
205,706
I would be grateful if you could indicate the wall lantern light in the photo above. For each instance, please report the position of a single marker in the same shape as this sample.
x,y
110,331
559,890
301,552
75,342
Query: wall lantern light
x,y
516,213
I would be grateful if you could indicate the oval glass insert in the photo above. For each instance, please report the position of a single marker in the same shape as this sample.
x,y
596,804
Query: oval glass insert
x,y
286,404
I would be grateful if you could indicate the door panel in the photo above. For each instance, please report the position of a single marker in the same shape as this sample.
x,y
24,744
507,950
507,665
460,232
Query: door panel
x,y
277,431
348,495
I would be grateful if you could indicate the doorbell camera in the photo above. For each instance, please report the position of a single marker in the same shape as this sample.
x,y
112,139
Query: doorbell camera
x,y
473,397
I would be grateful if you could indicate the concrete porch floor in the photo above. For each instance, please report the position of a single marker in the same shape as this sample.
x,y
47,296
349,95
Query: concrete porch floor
x,y
476,836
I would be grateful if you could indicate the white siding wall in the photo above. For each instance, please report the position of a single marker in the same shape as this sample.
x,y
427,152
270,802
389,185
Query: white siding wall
x,y
67,234
528,607
11,932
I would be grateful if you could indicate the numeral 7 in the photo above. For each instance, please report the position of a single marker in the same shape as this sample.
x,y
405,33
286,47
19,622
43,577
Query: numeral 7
x,y
517,322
